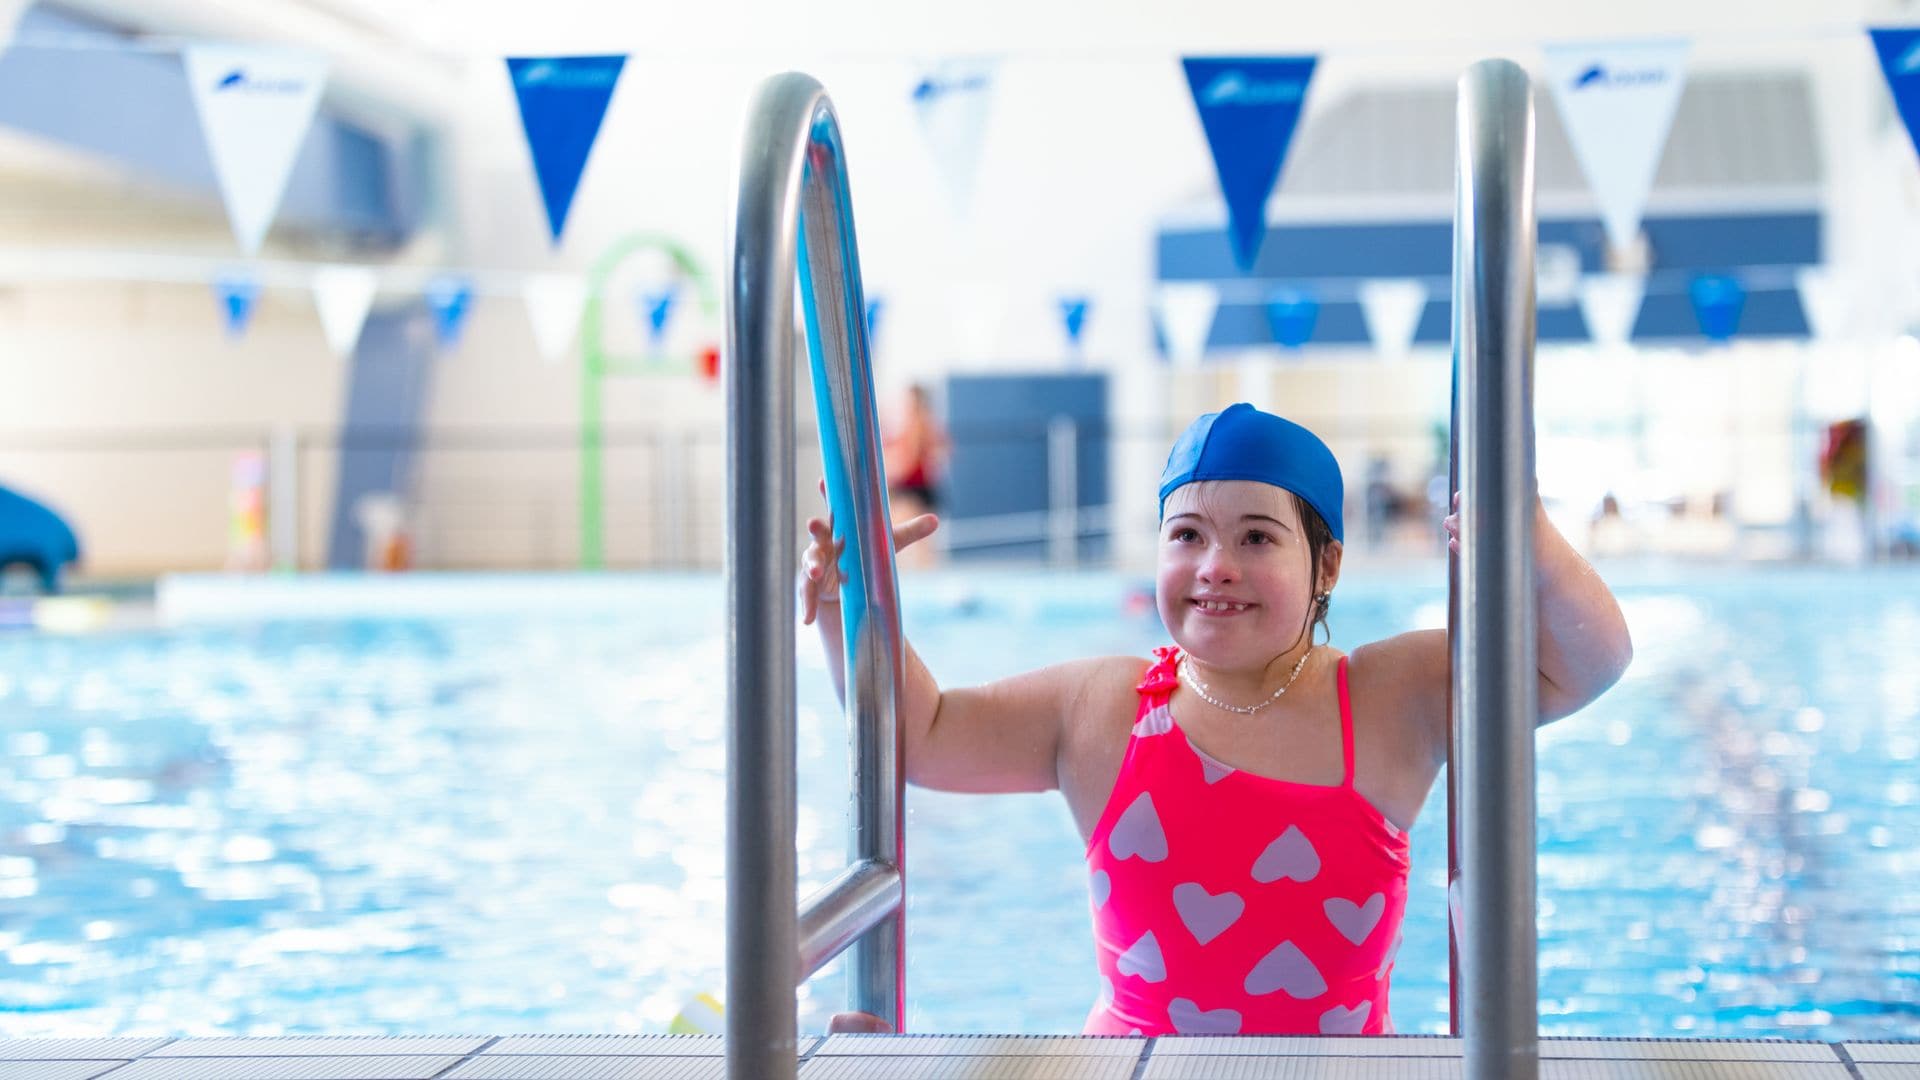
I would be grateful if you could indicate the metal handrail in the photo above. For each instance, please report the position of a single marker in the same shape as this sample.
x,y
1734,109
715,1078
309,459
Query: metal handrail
x,y
794,211
1495,698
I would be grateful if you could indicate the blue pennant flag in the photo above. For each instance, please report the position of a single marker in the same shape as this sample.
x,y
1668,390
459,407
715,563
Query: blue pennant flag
x,y
1248,108
1073,314
449,298
1717,300
1899,52
562,101
236,290
658,305
876,307
1291,314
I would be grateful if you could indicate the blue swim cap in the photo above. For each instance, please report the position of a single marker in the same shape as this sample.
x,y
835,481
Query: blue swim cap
x,y
1243,443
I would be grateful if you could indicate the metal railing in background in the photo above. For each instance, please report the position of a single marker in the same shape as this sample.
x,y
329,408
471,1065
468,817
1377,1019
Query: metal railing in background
x,y
794,216
1495,701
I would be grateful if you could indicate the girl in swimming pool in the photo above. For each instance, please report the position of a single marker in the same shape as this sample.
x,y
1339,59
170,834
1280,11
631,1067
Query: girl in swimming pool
x,y
1245,794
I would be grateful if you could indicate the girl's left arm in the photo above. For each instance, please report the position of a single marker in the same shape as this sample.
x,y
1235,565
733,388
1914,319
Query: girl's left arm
x,y
1584,647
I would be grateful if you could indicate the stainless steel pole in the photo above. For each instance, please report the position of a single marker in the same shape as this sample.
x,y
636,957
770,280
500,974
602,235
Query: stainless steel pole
x,y
794,220
1495,667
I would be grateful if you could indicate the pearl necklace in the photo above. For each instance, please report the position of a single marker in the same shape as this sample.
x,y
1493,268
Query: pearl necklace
x,y
1186,672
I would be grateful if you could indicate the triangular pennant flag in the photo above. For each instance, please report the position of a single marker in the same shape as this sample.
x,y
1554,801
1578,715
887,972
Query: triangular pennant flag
x,y
1610,303
1254,381
554,303
1717,300
236,290
1248,108
343,295
951,99
657,305
1899,52
1186,320
1291,314
1617,102
876,307
1073,319
255,106
1392,308
1826,295
449,297
562,101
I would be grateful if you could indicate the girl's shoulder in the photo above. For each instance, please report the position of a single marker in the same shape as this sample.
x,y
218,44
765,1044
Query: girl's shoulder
x,y
1401,682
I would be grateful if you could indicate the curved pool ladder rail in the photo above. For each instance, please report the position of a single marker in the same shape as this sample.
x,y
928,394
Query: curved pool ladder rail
x,y
1492,604
793,219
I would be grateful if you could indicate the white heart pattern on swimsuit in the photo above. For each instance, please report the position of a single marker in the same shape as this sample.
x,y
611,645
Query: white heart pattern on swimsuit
x,y
1191,1019
1290,856
1286,968
1143,959
1212,769
1356,921
1101,886
1341,1020
1138,832
1207,916
1157,722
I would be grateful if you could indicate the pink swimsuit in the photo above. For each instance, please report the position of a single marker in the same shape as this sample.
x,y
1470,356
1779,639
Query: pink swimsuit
x,y
1228,902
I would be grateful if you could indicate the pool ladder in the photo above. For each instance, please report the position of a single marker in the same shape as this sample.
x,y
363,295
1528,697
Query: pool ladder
x,y
794,218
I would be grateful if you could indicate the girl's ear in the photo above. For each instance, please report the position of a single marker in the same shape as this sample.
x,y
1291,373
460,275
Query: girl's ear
x,y
1330,565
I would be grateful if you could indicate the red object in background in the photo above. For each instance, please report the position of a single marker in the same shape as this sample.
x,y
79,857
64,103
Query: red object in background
x,y
710,363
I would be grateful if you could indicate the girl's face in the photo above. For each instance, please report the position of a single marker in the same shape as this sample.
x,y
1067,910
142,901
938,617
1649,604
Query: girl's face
x,y
1235,583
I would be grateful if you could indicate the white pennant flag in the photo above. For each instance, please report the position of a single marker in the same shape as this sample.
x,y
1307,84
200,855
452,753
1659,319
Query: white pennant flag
x,y
1611,305
1617,101
1826,295
951,98
1392,308
1255,382
1186,320
344,295
255,106
976,311
554,304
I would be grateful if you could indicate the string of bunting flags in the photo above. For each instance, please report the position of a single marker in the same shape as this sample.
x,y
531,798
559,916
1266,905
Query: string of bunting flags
x,y
1617,100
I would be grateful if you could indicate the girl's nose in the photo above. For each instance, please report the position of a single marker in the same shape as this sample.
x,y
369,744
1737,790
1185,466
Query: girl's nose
x,y
1217,565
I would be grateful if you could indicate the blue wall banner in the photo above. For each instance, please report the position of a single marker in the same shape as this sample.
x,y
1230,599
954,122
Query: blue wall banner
x,y
1717,300
255,107
449,298
1073,317
1291,313
951,99
237,290
1248,108
562,101
1899,52
657,305
1618,101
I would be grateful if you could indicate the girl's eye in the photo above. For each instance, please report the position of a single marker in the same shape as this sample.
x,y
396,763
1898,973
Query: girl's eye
x,y
1184,535
1259,538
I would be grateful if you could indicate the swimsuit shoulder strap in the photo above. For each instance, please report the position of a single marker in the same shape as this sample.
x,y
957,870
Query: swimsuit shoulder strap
x,y
1346,727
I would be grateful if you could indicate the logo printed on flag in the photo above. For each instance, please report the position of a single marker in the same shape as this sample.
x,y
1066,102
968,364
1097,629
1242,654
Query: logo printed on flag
x,y
1248,109
562,101
255,106
1617,101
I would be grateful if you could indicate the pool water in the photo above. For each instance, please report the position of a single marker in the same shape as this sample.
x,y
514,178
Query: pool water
x,y
510,819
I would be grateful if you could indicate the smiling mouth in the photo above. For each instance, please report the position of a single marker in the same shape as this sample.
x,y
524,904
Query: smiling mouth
x,y
1219,607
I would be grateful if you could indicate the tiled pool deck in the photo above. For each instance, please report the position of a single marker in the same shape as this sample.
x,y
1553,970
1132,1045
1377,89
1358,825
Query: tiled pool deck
x,y
931,1057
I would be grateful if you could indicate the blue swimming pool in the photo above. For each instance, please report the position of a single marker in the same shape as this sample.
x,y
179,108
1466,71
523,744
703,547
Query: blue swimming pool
x,y
496,806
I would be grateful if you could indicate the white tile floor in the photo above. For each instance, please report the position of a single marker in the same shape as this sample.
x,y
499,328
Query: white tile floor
x,y
932,1057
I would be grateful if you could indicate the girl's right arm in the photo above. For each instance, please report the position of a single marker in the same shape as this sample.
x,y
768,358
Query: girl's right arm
x,y
1001,737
